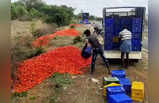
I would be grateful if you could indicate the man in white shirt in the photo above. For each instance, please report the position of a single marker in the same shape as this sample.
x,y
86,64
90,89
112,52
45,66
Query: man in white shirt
x,y
125,47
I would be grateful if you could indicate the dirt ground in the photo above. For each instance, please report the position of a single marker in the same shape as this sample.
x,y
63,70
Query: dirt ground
x,y
81,89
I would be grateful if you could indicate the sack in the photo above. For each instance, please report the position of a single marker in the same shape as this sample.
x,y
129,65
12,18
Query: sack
x,y
86,52
100,39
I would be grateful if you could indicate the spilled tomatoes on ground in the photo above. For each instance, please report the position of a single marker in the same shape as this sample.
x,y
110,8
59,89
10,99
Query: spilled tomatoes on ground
x,y
63,60
44,40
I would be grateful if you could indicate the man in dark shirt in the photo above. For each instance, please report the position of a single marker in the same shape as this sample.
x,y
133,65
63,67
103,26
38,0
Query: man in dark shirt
x,y
97,49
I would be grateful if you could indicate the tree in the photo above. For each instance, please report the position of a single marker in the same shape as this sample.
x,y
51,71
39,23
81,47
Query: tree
x,y
18,11
32,4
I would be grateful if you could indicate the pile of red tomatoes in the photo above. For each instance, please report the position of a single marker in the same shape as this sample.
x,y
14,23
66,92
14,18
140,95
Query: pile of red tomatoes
x,y
44,40
63,60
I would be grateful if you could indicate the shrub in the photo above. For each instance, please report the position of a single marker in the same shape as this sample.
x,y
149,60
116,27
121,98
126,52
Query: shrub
x,y
39,29
18,11
21,50
72,26
34,13
37,33
77,39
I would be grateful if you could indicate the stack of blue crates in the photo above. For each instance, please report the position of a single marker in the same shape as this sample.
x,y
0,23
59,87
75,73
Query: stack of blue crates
x,y
119,94
109,24
136,34
125,82
136,44
137,25
120,98
109,30
114,25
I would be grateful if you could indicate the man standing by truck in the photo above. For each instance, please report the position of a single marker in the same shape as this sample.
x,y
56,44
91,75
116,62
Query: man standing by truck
x,y
125,35
97,49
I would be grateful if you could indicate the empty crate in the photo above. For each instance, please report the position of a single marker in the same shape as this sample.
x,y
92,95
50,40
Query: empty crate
x,y
115,90
119,98
109,85
108,80
137,91
126,83
119,73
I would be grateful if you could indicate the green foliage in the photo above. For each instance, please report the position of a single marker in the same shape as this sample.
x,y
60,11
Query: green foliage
x,y
18,11
32,98
22,49
37,33
32,29
23,94
77,39
35,52
61,79
92,17
34,13
61,15
72,26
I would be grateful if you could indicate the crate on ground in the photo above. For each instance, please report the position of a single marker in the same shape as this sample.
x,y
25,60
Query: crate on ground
x,y
109,80
119,98
137,91
115,90
109,85
119,73
126,83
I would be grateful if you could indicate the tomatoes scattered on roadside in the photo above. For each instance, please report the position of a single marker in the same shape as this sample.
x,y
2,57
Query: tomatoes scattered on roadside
x,y
76,25
44,40
63,60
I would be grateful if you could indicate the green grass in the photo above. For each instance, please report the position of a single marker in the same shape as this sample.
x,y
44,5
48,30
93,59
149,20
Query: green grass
x,y
23,94
61,79
32,98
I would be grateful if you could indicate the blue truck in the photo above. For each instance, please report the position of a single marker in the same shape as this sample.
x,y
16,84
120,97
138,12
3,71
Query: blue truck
x,y
114,18
85,18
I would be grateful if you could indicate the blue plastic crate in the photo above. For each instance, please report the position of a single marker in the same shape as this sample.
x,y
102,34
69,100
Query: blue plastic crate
x,y
126,83
136,44
137,28
136,36
137,25
109,25
136,20
119,73
108,44
120,98
115,90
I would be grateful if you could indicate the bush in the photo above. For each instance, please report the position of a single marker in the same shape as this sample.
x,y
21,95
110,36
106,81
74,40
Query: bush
x,y
29,9
18,11
25,18
35,13
38,33
61,15
39,29
77,39
21,50
72,26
